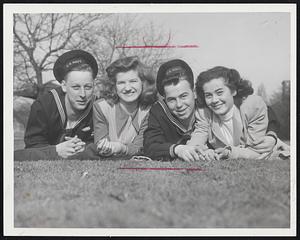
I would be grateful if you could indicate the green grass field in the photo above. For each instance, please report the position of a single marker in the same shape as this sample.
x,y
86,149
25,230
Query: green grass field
x,y
232,193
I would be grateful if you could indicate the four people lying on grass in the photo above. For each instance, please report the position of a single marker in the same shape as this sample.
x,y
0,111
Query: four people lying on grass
x,y
68,123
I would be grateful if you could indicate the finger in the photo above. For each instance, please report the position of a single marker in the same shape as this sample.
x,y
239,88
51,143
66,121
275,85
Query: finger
x,y
186,158
69,138
80,150
78,147
109,146
105,146
190,156
69,144
201,154
71,150
80,144
209,157
76,139
104,143
100,144
217,157
195,156
200,151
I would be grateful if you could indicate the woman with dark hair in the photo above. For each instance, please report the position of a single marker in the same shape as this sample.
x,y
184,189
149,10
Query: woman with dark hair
x,y
232,120
120,117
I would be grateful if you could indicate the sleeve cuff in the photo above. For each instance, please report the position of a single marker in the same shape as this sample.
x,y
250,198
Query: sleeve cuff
x,y
171,151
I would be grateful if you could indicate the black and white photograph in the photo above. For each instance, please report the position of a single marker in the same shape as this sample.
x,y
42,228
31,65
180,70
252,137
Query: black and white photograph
x,y
149,119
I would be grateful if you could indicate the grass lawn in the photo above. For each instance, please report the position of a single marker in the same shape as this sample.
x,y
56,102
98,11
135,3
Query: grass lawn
x,y
232,193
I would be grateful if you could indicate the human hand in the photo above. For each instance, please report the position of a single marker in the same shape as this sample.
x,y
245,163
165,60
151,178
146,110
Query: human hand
x,y
104,147
118,148
221,153
189,153
209,155
79,144
284,149
281,146
264,145
70,147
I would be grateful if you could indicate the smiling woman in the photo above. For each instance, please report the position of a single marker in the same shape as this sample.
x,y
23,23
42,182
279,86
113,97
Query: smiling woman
x,y
233,121
120,117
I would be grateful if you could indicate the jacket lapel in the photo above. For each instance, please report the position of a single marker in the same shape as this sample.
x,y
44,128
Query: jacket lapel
x,y
238,127
175,121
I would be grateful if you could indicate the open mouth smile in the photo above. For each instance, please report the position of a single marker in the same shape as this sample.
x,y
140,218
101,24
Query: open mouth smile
x,y
181,112
217,106
129,93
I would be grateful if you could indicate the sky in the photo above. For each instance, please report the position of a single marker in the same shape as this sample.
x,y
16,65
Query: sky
x,y
255,44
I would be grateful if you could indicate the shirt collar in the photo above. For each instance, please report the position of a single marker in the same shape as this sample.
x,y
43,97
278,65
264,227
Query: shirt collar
x,y
175,120
122,117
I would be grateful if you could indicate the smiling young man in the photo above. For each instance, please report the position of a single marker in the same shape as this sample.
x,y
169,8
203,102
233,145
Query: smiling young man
x,y
171,119
60,123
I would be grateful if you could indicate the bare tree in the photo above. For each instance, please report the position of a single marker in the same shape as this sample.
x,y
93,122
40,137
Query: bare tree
x,y
126,35
40,38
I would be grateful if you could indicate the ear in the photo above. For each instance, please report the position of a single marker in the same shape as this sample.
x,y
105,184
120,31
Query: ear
x,y
234,93
63,86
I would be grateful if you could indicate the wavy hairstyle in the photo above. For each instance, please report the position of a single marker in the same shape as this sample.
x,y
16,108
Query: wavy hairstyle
x,y
232,80
149,93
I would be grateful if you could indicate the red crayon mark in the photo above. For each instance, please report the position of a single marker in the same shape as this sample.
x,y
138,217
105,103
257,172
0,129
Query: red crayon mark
x,y
160,46
163,169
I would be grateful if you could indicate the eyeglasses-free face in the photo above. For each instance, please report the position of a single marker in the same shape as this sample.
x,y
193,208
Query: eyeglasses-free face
x,y
129,86
79,88
218,97
180,99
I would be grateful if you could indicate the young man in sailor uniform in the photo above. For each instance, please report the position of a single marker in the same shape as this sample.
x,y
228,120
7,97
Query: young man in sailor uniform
x,y
60,123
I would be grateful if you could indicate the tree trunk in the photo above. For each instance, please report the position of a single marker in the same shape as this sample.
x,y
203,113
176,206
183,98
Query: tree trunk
x,y
39,80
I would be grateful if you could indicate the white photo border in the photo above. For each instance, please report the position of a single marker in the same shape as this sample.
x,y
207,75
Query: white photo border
x,y
8,162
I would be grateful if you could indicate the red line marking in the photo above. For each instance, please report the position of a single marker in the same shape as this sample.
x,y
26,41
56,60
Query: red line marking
x,y
158,46
162,169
